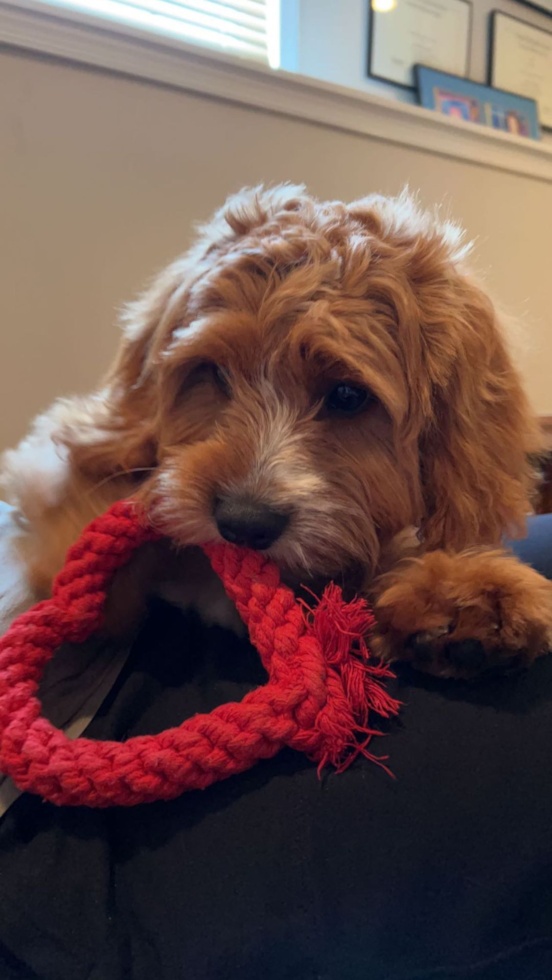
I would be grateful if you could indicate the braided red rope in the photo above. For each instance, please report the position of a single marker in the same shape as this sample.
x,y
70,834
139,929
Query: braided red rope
x,y
317,698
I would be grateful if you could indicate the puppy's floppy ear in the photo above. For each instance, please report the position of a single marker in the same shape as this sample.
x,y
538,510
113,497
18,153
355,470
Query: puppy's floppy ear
x,y
114,430
479,431
468,412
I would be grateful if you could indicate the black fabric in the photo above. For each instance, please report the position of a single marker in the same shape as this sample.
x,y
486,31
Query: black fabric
x,y
443,872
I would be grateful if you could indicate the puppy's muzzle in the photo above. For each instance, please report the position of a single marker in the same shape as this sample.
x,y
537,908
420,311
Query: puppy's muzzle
x,y
248,522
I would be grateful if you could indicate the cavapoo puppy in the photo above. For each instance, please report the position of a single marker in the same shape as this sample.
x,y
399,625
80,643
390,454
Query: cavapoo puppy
x,y
322,382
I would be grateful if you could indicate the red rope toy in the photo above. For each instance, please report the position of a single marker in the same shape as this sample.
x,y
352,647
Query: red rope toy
x,y
322,684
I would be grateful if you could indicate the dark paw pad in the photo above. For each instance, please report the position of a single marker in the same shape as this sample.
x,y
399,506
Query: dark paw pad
x,y
420,647
423,645
468,655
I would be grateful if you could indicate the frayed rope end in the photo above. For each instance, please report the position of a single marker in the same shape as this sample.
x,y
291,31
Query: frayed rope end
x,y
342,629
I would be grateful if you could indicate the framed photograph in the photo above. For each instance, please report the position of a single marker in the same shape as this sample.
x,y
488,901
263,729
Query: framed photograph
x,y
430,32
521,61
461,99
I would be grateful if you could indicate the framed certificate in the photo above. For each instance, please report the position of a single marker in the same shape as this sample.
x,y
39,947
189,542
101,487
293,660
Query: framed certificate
x,y
429,32
521,61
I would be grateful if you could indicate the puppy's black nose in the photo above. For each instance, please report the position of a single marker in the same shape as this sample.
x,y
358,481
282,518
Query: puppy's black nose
x,y
248,522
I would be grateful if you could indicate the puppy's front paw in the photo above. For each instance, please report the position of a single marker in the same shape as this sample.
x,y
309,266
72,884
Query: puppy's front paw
x,y
459,615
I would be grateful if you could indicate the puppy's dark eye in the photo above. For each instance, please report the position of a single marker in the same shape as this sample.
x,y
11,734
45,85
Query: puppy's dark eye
x,y
346,399
221,379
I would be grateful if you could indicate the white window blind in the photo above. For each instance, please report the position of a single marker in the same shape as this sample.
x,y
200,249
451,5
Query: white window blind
x,y
245,27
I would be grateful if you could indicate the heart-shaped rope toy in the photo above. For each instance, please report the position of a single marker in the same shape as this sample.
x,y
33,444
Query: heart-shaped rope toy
x,y
322,683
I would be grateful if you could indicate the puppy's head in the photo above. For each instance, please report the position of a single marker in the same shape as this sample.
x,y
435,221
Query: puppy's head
x,y
311,379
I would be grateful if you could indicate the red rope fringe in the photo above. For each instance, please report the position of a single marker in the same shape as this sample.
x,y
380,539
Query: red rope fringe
x,y
342,629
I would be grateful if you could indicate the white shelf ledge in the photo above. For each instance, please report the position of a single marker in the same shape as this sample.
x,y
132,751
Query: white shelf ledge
x,y
33,26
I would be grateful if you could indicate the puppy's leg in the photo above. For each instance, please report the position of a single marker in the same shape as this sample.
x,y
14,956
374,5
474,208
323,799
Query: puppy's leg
x,y
457,615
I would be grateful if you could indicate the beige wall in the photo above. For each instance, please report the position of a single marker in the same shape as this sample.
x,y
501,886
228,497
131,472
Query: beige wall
x,y
101,177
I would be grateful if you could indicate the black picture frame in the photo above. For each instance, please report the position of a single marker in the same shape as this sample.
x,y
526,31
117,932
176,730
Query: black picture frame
x,y
535,5
391,81
492,52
